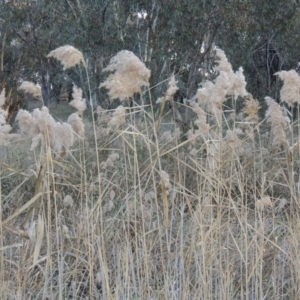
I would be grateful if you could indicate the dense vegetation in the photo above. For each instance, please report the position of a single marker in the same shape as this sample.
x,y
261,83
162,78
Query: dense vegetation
x,y
172,173
169,36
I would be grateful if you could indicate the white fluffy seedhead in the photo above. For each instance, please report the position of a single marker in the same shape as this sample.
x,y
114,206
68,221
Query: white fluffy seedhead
x,y
5,128
290,91
129,74
118,117
78,102
68,56
278,121
42,128
31,88
172,88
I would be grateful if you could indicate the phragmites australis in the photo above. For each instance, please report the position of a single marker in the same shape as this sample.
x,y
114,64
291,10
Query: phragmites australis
x,y
172,88
68,56
213,94
251,109
31,88
128,75
235,83
290,92
278,121
78,102
41,127
5,128
200,122
118,117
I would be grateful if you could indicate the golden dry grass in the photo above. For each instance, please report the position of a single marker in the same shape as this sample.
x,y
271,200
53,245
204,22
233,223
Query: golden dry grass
x,y
124,233
145,210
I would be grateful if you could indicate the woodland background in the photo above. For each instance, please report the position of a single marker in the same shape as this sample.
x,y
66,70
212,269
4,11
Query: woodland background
x,y
168,36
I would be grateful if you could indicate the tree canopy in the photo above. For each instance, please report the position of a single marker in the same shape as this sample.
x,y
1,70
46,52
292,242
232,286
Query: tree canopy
x,y
170,36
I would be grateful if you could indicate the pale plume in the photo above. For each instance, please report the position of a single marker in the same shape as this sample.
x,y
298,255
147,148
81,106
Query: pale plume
x,y
118,117
200,122
31,88
235,84
264,202
78,102
172,88
68,56
165,178
77,125
212,97
110,160
290,92
5,128
68,201
2,98
278,121
41,127
222,63
251,109
129,74
213,94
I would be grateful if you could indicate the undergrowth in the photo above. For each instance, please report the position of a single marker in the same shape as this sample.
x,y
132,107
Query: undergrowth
x,y
129,204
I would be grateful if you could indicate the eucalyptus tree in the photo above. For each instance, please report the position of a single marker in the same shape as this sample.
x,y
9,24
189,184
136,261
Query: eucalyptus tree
x,y
169,36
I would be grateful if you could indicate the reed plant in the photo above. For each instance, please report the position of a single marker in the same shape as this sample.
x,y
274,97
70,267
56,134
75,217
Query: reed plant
x,y
129,205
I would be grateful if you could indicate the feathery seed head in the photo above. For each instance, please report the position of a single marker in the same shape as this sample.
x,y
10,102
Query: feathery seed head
x,y
278,121
68,56
31,88
129,74
2,98
223,63
77,125
172,88
290,92
78,102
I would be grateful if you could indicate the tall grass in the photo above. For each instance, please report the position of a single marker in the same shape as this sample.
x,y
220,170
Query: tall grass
x,y
141,208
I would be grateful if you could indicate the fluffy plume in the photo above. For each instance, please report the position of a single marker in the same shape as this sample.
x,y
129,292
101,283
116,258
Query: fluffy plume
x,y
165,178
213,94
212,97
42,128
251,109
31,88
129,74
238,84
78,102
290,92
68,56
68,201
118,117
233,142
110,161
278,121
200,122
223,65
77,125
64,136
2,98
5,128
264,202
172,88
235,84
